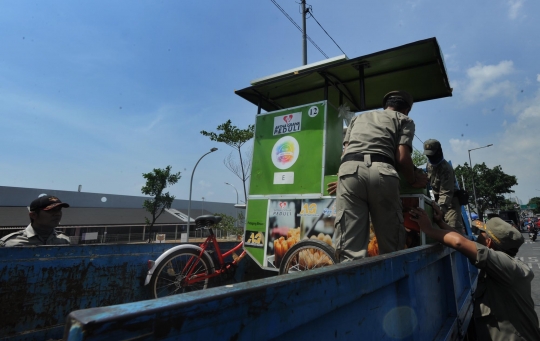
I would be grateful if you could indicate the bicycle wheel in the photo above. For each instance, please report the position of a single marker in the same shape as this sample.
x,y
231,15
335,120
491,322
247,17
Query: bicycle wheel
x,y
307,254
169,277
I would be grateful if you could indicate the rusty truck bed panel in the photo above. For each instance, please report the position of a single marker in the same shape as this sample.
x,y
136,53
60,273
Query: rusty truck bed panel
x,y
40,286
417,294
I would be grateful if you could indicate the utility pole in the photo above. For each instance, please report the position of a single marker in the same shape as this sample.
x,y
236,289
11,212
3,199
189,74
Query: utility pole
x,y
304,34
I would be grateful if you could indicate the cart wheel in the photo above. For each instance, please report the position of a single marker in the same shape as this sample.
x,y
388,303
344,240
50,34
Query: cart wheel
x,y
170,275
306,255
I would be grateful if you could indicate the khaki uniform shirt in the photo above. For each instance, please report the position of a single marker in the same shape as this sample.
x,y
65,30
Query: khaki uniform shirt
x,y
442,180
28,237
379,132
503,307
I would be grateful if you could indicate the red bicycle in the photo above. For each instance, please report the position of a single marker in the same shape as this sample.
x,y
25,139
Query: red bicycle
x,y
189,267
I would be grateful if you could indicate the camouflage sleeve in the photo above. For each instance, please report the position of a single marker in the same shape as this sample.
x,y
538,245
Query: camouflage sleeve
x,y
349,128
446,191
406,134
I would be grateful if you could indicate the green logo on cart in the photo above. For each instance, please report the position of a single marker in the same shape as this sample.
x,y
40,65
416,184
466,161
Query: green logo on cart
x,y
285,152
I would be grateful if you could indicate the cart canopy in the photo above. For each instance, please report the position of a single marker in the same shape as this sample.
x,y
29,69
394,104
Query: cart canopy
x,y
359,83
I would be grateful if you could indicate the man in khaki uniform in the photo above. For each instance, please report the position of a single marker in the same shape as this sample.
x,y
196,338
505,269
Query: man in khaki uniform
x,y
376,143
45,215
443,183
503,305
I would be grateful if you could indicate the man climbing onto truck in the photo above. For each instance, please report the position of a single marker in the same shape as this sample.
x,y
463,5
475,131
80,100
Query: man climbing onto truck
x,y
503,306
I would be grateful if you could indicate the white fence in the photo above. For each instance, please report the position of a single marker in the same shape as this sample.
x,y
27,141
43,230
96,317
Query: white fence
x,y
170,237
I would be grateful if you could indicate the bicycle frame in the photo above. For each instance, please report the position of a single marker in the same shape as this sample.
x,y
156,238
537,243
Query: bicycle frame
x,y
223,267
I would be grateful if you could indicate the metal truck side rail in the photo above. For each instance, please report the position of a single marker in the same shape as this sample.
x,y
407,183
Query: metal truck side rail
x,y
418,294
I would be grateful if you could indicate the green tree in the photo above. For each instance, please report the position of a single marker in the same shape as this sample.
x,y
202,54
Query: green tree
x,y
418,158
229,224
535,200
490,183
156,182
235,138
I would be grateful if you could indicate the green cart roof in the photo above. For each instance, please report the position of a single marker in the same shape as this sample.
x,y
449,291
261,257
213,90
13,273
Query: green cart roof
x,y
417,68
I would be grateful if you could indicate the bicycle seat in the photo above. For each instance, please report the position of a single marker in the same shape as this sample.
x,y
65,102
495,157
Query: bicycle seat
x,y
207,220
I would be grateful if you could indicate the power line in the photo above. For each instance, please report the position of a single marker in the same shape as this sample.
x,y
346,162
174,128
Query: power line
x,y
310,11
299,28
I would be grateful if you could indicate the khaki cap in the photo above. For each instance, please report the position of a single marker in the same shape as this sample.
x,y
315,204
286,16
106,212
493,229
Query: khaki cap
x,y
399,93
504,235
431,147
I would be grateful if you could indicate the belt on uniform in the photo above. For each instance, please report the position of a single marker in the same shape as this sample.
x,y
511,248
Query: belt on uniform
x,y
360,157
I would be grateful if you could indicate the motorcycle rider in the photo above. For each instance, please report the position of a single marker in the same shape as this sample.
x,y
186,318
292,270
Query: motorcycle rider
x,y
533,232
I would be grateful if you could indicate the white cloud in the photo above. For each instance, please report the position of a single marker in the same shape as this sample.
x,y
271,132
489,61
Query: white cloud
x,y
460,147
518,153
414,3
515,7
153,123
483,81
538,77
204,184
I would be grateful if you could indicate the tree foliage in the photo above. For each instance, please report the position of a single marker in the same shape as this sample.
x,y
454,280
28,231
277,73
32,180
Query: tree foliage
x,y
535,200
418,158
229,224
490,183
235,138
156,182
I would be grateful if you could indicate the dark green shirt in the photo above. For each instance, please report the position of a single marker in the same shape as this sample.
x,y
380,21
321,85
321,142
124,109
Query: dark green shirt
x,y
503,308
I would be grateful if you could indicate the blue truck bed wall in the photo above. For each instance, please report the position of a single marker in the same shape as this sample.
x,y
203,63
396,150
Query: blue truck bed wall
x,y
40,286
416,294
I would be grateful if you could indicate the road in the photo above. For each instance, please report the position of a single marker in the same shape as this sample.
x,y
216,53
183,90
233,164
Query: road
x,y
529,253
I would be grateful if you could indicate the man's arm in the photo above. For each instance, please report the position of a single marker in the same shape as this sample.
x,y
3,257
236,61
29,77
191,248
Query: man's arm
x,y
406,167
438,212
449,238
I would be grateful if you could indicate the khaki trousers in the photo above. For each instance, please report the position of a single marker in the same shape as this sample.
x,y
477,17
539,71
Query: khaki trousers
x,y
367,189
453,215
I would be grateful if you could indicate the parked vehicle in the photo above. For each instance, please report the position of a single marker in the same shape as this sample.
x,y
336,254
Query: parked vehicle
x,y
421,293
511,215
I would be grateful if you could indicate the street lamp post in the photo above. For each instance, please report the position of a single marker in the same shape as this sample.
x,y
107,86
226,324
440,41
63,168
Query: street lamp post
x,y
202,206
236,203
235,190
190,188
473,186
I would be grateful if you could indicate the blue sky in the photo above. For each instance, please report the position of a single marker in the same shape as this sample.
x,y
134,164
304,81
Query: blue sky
x,y
96,93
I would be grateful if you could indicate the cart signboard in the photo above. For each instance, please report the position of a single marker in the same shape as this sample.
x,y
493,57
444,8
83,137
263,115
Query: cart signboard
x,y
274,225
294,149
295,152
